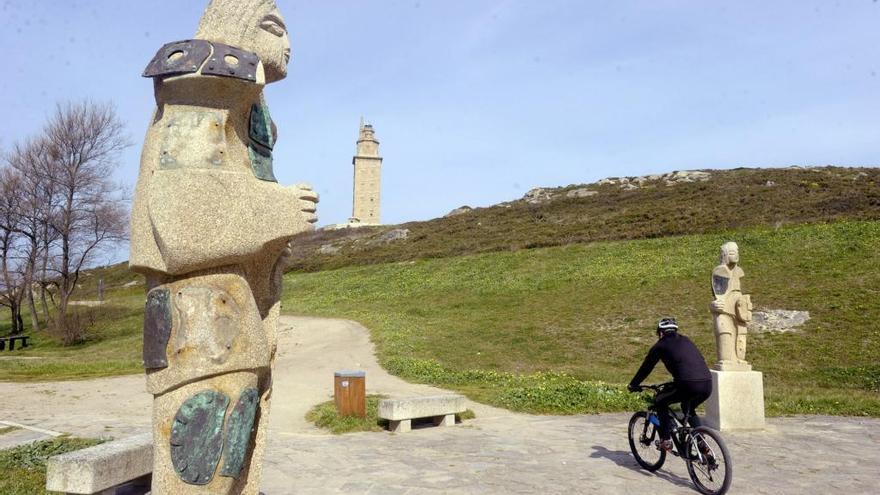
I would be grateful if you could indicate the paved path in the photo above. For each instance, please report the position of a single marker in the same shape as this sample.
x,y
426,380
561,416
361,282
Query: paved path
x,y
499,452
575,454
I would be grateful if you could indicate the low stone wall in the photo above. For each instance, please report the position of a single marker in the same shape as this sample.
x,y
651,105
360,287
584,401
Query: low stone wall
x,y
100,468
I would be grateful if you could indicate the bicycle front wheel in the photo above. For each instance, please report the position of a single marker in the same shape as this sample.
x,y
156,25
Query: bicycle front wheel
x,y
708,461
642,435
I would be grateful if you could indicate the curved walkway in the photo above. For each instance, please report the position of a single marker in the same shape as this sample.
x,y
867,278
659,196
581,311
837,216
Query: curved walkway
x,y
498,452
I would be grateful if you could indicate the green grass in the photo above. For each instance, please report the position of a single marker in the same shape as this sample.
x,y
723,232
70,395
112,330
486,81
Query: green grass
x,y
562,329
113,345
324,415
8,429
536,393
24,468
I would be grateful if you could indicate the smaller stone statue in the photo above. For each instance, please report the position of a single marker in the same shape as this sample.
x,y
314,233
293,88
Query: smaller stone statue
x,y
732,310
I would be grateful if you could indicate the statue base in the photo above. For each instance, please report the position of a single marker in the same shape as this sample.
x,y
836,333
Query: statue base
x,y
732,366
737,401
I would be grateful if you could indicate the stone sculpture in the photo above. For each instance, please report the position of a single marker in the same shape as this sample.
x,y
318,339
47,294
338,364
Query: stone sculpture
x,y
210,231
732,310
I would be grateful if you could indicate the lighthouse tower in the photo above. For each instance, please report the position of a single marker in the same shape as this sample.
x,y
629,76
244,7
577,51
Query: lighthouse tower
x,y
367,178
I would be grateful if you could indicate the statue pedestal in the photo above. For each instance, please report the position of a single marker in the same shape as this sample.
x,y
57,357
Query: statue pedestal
x,y
737,401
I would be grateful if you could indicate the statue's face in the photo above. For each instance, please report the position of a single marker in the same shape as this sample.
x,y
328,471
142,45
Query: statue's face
x,y
272,45
730,253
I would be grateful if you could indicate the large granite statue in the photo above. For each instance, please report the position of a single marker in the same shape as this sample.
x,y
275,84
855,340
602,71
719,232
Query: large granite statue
x,y
732,310
210,230
737,400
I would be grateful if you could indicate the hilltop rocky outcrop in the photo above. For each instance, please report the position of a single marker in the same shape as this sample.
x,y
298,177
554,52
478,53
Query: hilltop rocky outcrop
x,y
540,195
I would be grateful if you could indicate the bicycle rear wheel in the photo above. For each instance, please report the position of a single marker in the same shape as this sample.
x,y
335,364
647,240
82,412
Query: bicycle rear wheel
x,y
708,461
642,435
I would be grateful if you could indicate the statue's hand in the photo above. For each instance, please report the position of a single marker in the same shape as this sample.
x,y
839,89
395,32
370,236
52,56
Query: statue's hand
x,y
743,309
308,200
717,306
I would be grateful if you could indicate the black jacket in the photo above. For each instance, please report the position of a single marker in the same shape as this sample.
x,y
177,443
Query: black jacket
x,y
680,356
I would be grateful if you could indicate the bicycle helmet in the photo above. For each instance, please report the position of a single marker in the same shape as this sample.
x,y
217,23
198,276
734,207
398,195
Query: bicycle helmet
x,y
667,325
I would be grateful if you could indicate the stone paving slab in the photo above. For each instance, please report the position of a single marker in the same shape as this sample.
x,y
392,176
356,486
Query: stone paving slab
x,y
20,437
575,454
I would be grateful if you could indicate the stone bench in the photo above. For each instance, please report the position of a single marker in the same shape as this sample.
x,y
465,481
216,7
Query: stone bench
x,y
11,340
401,412
121,464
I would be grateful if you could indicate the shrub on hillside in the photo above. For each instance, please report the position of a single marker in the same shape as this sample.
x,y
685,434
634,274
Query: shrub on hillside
x,y
74,329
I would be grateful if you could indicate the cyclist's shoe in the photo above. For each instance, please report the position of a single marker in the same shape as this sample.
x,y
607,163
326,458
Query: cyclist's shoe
x,y
665,445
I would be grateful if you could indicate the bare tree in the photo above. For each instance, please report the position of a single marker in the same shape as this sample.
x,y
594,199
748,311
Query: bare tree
x,y
12,282
59,210
87,212
35,190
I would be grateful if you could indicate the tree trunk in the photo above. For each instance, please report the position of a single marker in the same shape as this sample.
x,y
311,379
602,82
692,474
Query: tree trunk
x,y
44,304
61,312
13,320
35,319
19,319
44,264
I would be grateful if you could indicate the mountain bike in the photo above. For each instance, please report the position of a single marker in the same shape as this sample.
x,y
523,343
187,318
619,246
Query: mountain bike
x,y
708,461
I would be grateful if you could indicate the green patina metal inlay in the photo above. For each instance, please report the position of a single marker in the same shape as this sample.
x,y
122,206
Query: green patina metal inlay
x,y
157,328
261,126
261,162
196,437
238,433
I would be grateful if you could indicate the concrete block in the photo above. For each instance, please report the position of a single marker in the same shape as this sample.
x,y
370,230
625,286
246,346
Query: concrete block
x,y
101,467
448,420
737,401
402,426
420,407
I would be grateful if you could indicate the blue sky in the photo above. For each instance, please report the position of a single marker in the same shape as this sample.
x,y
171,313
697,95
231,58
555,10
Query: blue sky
x,y
477,101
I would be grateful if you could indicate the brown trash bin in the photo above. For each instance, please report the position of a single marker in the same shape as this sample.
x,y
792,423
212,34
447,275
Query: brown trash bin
x,y
350,393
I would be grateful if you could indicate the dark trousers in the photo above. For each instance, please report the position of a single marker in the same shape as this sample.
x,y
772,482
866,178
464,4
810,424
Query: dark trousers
x,y
690,394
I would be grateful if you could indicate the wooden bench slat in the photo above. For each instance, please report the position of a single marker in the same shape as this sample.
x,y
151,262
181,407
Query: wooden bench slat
x,y
11,341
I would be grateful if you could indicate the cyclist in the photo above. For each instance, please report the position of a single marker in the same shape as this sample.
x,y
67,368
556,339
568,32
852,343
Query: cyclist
x,y
692,383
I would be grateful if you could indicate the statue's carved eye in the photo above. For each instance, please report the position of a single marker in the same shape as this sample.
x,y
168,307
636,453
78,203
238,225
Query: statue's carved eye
x,y
274,26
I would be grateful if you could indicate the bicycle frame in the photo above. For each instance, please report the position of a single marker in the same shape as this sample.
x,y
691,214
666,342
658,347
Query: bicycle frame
x,y
679,422
680,431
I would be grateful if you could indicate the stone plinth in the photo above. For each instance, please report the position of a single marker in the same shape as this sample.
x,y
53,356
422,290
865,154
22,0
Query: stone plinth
x,y
737,401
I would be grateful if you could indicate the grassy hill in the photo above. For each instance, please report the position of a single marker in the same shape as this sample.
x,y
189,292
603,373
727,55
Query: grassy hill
x,y
730,199
534,330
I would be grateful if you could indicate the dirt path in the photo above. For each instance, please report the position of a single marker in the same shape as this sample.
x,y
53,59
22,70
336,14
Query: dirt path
x,y
310,350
